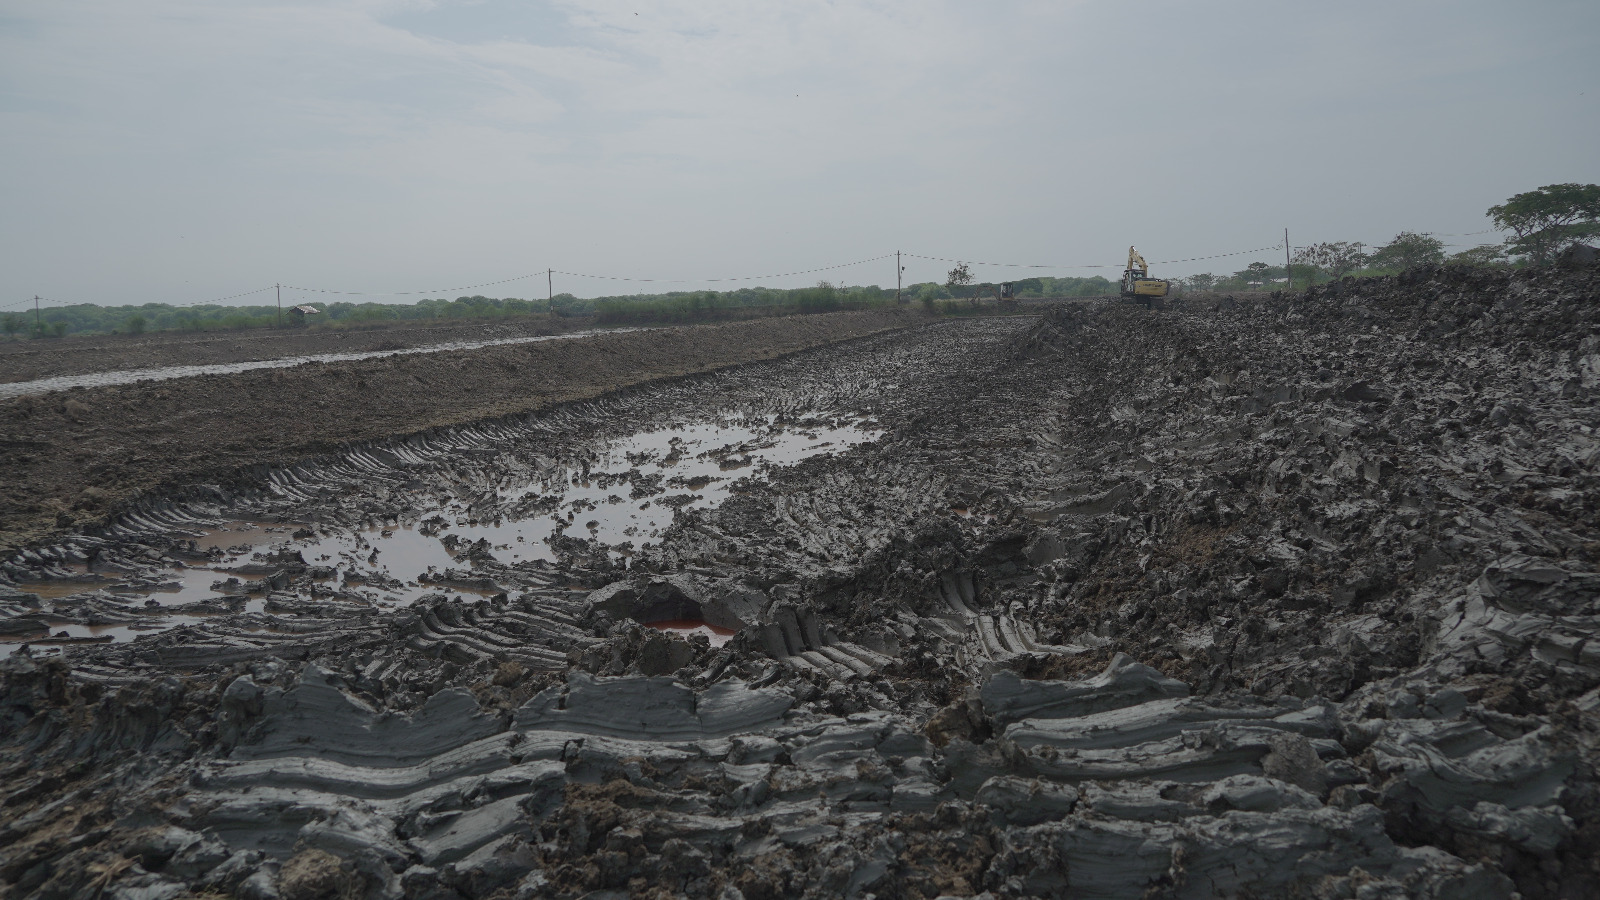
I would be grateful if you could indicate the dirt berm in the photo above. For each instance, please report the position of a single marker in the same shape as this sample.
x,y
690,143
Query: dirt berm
x,y
72,457
27,360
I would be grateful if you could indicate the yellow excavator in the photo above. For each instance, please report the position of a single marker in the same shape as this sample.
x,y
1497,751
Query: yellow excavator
x,y
1135,283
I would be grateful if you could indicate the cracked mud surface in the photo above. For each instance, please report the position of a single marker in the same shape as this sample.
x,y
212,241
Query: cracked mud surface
x,y
1283,598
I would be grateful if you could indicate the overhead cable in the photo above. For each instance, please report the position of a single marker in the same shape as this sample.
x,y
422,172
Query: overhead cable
x,y
1093,265
175,305
229,297
411,293
739,278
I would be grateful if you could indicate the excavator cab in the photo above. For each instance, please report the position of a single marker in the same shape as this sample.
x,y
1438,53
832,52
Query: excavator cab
x,y
1135,280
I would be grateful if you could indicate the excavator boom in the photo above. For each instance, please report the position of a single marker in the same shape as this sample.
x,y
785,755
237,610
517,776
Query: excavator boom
x,y
1136,262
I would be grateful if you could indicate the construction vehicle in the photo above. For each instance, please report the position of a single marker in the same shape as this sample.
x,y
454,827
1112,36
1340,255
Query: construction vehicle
x,y
1135,280
1005,296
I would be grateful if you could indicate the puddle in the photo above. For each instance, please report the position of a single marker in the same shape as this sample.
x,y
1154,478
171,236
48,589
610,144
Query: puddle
x,y
58,635
128,376
690,627
54,590
615,499
623,495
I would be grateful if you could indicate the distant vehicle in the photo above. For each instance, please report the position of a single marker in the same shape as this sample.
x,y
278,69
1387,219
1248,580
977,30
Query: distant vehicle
x,y
1135,280
1006,295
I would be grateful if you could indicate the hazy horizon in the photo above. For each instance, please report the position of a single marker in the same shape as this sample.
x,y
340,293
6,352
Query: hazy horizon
x,y
182,152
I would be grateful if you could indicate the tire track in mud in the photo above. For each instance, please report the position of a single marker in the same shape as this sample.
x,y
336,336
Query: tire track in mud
x,y
77,457
394,484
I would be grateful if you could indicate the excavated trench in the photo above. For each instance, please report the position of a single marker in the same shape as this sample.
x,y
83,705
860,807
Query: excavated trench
x,y
1289,597
618,495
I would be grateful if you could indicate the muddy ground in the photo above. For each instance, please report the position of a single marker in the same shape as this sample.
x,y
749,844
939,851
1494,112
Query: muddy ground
x,y
1293,597
72,458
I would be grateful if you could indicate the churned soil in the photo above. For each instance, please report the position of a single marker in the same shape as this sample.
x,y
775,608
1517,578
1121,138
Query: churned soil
x,y
72,458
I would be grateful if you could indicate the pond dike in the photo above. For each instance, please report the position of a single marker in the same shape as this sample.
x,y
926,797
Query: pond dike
x,y
1289,597
74,458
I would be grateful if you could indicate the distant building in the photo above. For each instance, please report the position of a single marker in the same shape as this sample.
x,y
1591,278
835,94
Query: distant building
x,y
301,312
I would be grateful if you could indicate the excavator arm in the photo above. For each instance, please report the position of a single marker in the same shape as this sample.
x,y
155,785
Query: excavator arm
x,y
1136,262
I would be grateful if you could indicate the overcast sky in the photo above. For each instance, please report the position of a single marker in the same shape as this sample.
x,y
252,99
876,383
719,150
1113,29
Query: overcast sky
x,y
183,150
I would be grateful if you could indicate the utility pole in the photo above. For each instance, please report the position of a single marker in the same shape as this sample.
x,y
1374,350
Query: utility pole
x,y
38,323
550,288
280,304
1288,273
897,271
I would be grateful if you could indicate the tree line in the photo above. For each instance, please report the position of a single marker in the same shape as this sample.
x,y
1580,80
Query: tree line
x,y
1541,224
672,306
89,318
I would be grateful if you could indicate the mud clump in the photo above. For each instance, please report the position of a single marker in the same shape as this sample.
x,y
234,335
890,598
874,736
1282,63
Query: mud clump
x,y
1288,596
316,875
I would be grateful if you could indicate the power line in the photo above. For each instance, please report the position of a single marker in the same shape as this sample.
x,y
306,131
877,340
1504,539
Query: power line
x,y
229,297
1162,262
175,305
411,293
550,271
739,278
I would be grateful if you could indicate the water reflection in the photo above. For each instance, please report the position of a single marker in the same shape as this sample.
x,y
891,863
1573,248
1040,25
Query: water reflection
x,y
622,496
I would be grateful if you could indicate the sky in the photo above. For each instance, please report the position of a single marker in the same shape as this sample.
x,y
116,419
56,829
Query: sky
x,y
184,151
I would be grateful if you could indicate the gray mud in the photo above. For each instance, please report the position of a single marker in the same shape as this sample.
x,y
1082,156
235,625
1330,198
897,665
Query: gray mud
x,y
1283,598
163,373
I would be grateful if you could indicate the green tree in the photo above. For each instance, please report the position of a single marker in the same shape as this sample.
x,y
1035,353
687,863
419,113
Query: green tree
x,y
58,329
1409,249
1337,258
960,275
1256,271
11,323
1485,255
1201,282
136,324
1546,221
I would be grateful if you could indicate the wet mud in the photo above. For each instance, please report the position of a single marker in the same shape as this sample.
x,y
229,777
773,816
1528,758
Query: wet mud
x,y
75,459
1287,597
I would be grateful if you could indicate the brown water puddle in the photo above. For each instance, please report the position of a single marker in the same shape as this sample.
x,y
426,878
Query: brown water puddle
x,y
690,627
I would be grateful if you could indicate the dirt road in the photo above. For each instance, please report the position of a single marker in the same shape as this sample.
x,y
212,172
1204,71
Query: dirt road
x,y
27,360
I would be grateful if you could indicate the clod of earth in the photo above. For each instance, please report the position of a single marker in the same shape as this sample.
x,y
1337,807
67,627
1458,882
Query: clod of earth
x,y
1288,597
